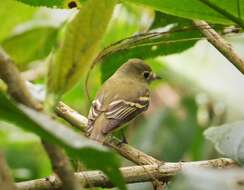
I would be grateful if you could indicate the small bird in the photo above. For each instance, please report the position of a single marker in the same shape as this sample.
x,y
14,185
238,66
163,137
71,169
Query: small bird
x,y
121,98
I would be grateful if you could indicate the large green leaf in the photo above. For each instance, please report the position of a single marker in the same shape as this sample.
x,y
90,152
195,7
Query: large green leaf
x,y
9,19
178,38
54,3
195,9
30,45
209,179
80,45
228,140
93,155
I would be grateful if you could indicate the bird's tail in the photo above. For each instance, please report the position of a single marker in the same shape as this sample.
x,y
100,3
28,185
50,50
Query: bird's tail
x,y
96,131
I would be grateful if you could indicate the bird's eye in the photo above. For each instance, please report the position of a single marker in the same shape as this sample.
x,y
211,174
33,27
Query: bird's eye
x,y
146,74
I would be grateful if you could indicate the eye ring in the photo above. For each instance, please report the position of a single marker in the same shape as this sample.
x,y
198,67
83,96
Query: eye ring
x,y
146,74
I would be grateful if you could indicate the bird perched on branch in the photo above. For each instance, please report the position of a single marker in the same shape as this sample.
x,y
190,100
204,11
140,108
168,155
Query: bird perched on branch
x,y
121,98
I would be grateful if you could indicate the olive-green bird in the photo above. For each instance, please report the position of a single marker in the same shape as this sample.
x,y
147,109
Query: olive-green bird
x,y
121,98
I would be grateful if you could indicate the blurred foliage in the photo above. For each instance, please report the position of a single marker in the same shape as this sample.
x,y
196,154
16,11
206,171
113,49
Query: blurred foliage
x,y
228,140
52,131
79,47
16,142
180,110
163,135
23,51
193,179
9,20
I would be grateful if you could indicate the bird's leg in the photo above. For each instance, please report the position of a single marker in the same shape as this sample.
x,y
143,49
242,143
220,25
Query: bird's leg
x,y
123,137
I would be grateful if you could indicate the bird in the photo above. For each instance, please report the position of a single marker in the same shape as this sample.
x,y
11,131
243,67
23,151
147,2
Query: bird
x,y
120,99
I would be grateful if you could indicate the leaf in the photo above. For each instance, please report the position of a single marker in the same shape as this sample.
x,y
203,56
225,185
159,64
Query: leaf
x,y
175,35
127,20
30,45
80,45
228,140
54,3
89,152
208,179
9,19
194,9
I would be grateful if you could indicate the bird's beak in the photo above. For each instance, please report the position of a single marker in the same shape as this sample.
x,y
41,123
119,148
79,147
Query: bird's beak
x,y
155,77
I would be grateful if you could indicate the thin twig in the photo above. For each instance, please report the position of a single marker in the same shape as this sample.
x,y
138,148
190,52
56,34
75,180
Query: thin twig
x,y
18,90
6,181
132,174
217,41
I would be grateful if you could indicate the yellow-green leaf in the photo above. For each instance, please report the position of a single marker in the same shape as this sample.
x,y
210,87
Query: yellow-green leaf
x,y
80,45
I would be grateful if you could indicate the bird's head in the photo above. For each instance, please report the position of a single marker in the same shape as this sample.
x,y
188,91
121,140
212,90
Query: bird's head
x,y
138,70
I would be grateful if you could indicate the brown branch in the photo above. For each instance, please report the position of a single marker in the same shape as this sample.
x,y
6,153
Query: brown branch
x,y
127,151
6,181
16,86
18,90
132,174
221,44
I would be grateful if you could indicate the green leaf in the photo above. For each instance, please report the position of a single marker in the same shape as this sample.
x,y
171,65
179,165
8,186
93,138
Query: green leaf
x,y
80,45
54,3
92,154
127,20
208,179
195,9
30,45
228,140
178,38
9,19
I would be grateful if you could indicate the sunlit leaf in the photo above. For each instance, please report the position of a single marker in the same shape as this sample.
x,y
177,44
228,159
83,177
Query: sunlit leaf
x,y
80,45
194,9
92,154
30,45
9,19
228,140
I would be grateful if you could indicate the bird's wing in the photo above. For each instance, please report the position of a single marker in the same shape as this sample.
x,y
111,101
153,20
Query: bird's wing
x,y
95,111
121,111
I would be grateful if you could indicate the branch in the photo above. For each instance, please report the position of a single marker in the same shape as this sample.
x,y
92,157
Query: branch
x,y
127,151
17,89
16,86
6,181
132,174
124,149
217,41
62,167
225,13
